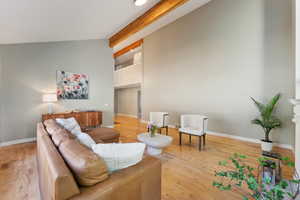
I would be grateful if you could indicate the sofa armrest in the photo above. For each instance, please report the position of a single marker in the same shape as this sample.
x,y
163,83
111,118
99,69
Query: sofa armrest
x,y
55,179
139,182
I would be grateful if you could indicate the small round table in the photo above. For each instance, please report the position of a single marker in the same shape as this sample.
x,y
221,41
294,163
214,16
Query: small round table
x,y
155,144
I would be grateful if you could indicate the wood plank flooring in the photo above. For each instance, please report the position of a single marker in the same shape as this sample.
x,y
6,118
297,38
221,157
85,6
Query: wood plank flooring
x,y
18,172
187,173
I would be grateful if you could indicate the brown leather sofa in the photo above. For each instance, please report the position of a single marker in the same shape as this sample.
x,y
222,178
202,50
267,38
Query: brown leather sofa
x,y
57,182
87,119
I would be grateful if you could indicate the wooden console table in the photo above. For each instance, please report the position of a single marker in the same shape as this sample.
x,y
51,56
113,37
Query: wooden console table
x,y
86,119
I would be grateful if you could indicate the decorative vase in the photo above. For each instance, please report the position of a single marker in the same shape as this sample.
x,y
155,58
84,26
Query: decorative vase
x,y
152,129
266,146
152,133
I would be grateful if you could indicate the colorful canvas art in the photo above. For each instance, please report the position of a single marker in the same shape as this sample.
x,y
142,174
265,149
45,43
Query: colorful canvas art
x,y
72,86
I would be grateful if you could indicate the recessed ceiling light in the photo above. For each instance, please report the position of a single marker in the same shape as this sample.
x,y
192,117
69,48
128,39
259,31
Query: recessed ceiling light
x,y
140,2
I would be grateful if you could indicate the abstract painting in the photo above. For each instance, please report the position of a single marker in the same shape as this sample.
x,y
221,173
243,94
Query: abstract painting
x,y
72,85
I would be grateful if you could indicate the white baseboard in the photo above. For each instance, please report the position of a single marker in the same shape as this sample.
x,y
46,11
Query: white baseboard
x,y
20,141
285,146
109,126
233,137
127,115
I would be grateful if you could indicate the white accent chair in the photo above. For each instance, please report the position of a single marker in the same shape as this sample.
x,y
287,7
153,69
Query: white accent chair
x,y
160,119
193,125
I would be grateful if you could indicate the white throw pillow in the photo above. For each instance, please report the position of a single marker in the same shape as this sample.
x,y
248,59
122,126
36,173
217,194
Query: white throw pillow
x,y
70,124
86,140
120,156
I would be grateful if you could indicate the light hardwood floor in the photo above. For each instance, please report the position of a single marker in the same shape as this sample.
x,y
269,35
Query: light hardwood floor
x,y
187,173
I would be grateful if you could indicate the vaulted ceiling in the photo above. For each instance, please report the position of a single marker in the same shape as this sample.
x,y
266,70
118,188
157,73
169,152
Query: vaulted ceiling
x,y
23,21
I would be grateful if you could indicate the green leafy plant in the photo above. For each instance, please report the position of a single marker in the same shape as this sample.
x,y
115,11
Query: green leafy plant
x,y
243,178
267,120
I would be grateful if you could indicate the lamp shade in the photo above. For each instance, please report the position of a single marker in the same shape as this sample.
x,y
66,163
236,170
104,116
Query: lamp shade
x,y
48,98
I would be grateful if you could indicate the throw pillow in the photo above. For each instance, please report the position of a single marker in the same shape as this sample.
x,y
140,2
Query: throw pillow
x,y
120,156
70,124
86,140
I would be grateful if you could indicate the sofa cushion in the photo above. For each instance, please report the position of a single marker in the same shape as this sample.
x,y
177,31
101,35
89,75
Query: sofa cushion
x,y
52,126
88,168
61,136
106,135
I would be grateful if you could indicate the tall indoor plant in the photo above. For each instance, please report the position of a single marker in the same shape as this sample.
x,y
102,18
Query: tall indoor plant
x,y
267,120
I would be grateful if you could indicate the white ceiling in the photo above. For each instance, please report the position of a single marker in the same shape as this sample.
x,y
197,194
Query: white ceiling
x,y
24,21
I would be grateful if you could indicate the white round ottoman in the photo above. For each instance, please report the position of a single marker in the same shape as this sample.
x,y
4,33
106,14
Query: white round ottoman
x,y
155,144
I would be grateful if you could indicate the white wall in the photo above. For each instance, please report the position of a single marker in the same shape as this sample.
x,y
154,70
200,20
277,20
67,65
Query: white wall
x,y
128,101
279,60
213,59
297,58
1,100
297,29
29,70
131,75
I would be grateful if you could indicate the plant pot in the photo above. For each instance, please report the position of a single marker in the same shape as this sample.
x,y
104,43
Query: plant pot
x,y
266,146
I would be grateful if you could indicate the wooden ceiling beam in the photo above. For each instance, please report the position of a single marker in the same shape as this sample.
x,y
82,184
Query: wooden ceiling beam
x,y
128,48
160,9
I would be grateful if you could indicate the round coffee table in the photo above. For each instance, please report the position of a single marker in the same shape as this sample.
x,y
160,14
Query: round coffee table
x,y
155,144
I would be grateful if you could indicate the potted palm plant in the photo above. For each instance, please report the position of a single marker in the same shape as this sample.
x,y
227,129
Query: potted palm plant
x,y
267,120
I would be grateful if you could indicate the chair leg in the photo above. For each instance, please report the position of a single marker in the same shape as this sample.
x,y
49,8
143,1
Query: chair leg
x,y
204,139
190,139
180,138
200,143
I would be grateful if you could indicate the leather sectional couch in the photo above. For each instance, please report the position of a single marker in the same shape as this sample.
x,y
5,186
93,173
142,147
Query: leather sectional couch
x,y
69,170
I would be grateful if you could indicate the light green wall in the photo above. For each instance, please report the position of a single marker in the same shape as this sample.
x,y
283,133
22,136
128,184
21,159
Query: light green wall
x,y
213,59
29,70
